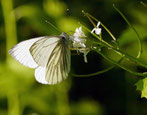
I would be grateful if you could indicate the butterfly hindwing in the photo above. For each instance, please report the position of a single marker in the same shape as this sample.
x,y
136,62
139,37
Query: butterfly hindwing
x,y
40,75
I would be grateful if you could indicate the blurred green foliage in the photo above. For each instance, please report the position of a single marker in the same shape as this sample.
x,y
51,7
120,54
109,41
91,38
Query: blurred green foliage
x,y
109,93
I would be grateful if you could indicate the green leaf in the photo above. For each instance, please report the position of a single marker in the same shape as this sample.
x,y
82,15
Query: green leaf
x,y
142,86
128,36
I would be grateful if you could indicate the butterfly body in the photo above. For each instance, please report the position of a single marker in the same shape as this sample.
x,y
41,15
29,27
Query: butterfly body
x,y
50,55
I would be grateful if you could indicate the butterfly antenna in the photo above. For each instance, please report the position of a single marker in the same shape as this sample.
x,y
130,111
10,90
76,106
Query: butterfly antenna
x,y
53,26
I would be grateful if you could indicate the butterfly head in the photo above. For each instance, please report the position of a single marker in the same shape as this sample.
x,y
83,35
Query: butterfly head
x,y
64,36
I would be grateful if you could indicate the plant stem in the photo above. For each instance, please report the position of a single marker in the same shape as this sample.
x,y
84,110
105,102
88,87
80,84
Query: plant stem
x,y
99,72
143,4
87,14
13,103
10,25
96,36
11,39
109,46
131,26
93,74
121,66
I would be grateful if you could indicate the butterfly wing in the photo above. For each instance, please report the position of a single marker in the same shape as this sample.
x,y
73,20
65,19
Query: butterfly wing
x,y
42,49
49,55
22,54
53,57
58,65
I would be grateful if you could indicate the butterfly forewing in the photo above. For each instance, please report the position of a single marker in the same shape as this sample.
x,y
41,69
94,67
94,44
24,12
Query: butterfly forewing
x,y
22,54
57,67
52,54
42,49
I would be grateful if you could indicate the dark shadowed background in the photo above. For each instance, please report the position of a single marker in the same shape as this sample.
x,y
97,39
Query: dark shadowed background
x,y
110,93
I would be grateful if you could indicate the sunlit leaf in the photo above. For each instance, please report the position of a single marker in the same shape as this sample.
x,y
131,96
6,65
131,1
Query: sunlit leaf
x,y
142,86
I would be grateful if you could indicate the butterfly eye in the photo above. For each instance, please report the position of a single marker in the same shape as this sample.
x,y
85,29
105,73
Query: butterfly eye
x,y
63,38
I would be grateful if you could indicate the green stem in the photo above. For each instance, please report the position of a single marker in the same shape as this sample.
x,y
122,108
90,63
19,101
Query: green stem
x,y
99,72
96,36
131,26
100,39
121,66
87,14
91,21
117,50
13,103
143,4
93,74
10,25
11,39
136,60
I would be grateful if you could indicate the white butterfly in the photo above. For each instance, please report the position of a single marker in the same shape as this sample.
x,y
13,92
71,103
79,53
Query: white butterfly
x,y
50,55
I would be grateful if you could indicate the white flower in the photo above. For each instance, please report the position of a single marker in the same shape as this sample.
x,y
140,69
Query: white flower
x,y
79,32
97,30
77,38
79,42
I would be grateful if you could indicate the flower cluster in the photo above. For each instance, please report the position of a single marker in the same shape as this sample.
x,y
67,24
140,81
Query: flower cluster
x,y
78,38
79,41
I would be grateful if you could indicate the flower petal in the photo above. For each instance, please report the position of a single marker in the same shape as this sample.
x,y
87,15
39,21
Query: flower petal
x,y
98,24
93,30
98,31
